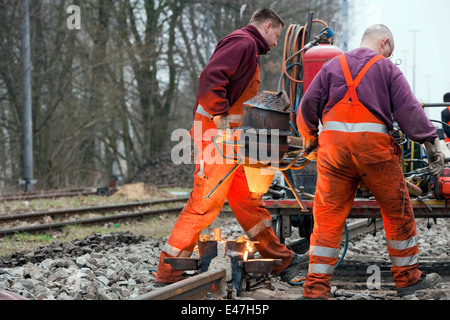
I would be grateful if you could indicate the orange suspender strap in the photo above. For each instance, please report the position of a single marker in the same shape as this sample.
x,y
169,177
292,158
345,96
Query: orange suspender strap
x,y
351,93
353,84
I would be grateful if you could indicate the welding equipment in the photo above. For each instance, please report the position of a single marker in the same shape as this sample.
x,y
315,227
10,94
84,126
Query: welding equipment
x,y
441,185
302,59
314,59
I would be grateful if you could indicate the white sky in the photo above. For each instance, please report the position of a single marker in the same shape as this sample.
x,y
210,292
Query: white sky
x,y
432,19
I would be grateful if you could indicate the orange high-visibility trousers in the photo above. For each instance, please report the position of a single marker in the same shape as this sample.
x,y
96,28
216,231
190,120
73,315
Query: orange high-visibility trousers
x,y
199,213
339,170
354,146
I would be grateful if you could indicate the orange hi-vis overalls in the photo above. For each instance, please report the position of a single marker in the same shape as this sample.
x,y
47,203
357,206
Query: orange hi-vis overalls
x,y
199,212
354,146
447,139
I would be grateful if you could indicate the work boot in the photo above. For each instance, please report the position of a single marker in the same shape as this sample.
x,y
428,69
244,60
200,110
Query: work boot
x,y
425,281
164,284
161,284
305,298
292,269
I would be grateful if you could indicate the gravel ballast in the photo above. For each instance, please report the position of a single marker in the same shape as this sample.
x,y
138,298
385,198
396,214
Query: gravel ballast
x,y
118,266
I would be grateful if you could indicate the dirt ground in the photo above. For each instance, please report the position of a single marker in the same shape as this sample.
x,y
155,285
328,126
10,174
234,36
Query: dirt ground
x,y
141,191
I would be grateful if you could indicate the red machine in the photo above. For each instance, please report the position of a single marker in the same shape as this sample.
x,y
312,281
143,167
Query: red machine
x,y
303,58
315,58
443,190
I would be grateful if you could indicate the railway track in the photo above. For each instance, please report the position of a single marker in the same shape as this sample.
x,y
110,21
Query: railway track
x,y
206,285
61,193
350,278
209,285
48,194
33,216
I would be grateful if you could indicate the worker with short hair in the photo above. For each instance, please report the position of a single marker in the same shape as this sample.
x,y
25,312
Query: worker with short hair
x,y
357,96
230,78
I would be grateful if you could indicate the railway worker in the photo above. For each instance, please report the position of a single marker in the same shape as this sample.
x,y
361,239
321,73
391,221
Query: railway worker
x,y
357,96
231,77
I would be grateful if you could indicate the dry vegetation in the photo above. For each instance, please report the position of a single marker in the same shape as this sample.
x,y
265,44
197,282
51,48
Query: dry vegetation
x,y
157,227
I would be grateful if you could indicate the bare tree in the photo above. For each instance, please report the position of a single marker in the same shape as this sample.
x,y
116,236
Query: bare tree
x,y
107,97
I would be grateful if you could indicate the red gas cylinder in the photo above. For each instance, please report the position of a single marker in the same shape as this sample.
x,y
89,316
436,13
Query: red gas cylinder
x,y
315,58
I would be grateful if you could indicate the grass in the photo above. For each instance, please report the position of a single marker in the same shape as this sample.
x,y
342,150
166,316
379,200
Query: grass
x,y
156,227
18,206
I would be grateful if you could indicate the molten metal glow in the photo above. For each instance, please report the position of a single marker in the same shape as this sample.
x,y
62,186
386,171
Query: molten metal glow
x,y
249,247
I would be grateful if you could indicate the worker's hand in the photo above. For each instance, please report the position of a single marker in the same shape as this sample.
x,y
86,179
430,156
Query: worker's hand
x,y
228,121
310,146
223,135
435,156
224,126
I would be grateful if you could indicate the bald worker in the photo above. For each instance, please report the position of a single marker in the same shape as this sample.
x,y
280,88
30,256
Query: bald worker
x,y
357,97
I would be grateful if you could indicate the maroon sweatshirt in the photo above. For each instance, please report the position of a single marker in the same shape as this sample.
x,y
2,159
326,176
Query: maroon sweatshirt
x,y
384,91
230,69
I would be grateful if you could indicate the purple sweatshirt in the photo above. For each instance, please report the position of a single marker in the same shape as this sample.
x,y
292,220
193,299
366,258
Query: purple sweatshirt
x,y
384,91
230,69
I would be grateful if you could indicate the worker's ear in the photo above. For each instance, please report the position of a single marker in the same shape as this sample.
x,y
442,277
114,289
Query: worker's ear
x,y
384,49
268,26
387,45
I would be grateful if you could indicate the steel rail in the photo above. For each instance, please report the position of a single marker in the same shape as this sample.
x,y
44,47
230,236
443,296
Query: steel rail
x,y
44,192
194,288
58,225
365,208
58,193
46,195
355,228
197,287
9,295
115,207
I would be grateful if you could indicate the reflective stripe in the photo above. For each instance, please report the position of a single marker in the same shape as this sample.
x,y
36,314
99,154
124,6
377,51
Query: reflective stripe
x,y
404,261
321,268
203,112
260,226
402,245
355,127
324,252
175,252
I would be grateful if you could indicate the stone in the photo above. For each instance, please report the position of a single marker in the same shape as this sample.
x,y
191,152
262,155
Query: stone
x,y
81,261
29,284
103,280
64,296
